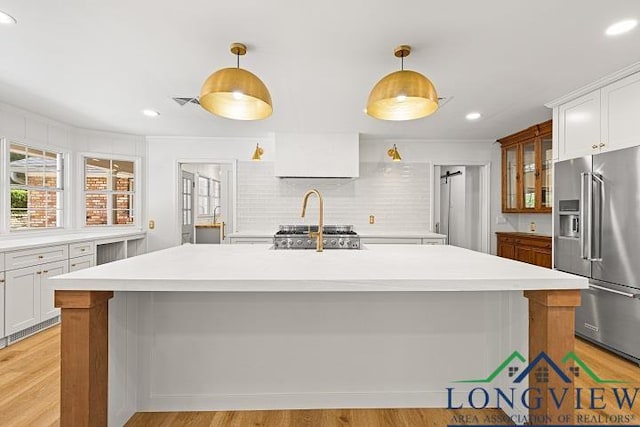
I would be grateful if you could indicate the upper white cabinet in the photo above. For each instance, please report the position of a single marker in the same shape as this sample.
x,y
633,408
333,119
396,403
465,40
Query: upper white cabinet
x,y
602,120
335,155
621,123
580,126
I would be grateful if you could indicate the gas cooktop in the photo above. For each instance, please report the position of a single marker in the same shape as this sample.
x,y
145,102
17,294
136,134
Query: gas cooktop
x,y
298,237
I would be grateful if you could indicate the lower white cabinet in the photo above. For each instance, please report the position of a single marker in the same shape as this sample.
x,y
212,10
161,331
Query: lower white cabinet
x,y
29,297
402,240
2,332
81,263
22,298
47,292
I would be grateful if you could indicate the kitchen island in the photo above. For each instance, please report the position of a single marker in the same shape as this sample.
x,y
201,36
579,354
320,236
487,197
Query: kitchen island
x,y
209,327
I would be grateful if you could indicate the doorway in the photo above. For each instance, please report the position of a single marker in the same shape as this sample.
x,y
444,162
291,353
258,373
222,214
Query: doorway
x,y
208,200
461,205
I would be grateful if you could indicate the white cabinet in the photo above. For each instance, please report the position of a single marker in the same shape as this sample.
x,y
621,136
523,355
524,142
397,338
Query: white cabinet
x,y
621,113
29,295
28,257
2,331
603,120
80,249
397,240
251,240
80,263
47,292
580,126
22,298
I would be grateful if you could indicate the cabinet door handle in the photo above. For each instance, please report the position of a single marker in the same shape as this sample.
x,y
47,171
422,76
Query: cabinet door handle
x,y
39,272
40,256
594,146
73,265
1,280
46,271
602,144
82,250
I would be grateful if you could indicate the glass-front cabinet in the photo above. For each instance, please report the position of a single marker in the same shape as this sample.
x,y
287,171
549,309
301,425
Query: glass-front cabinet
x,y
527,170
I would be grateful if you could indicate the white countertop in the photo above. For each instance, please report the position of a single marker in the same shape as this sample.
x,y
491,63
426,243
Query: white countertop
x,y
23,240
257,268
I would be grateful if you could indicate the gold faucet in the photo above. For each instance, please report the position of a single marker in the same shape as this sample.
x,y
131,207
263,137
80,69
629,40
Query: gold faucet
x,y
312,234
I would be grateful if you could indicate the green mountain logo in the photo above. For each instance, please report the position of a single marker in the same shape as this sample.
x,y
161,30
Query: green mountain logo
x,y
571,356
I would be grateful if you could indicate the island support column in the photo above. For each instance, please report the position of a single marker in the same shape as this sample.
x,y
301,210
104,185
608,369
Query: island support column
x,y
84,357
552,330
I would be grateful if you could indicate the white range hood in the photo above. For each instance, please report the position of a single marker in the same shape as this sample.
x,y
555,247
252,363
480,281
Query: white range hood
x,y
317,155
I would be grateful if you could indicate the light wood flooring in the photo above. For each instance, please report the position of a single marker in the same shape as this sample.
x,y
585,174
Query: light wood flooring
x,y
30,392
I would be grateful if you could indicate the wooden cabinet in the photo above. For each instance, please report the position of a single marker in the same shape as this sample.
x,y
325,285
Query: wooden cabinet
x,y
529,248
527,174
602,120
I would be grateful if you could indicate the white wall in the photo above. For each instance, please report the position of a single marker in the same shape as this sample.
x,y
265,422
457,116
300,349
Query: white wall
x,y
281,205
24,127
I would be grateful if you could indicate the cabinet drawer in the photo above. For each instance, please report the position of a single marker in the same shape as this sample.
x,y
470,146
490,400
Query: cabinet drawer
x,y
80,249
251,240
535,243
390,240
506,239
434,241
29,257
80,263
1,262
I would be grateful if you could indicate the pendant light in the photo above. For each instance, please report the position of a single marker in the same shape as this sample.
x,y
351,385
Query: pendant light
x,y
257,154
394,153
236,93
402,95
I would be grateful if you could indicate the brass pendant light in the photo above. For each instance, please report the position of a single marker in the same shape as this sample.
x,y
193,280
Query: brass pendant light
x,y
257,154
236,93
394,153
402,95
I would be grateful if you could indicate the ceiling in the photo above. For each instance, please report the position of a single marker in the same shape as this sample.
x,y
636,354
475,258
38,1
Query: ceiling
x,y
97,64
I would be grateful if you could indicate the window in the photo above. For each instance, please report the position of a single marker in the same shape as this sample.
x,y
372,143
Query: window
x,y
36,186
109,191
204,196
208,196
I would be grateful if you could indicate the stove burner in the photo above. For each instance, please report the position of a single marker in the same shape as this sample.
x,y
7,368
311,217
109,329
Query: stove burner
x,y
334,237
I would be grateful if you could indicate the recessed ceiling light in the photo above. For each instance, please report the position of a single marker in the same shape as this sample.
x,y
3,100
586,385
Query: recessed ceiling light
x,y
7,19
621,27
150,113
473,116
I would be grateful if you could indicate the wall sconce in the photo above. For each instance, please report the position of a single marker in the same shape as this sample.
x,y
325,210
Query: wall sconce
x,y
394,154
257,154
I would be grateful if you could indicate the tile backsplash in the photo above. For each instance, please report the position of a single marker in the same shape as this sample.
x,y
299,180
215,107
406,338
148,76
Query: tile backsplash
x,y
397,194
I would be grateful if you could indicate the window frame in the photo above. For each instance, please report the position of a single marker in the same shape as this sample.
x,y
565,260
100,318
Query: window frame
x,y
137,196
207,196
65,193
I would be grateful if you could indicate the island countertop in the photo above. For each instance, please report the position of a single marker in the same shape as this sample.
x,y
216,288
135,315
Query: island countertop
x,y
257,268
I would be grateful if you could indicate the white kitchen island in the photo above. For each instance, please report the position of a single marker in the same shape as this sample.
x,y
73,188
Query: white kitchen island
x,y
214,327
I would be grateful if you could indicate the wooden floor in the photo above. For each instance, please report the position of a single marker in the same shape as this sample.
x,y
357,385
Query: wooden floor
x,y
30,393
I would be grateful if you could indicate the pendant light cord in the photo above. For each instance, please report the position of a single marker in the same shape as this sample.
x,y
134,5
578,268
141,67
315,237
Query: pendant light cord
x,y
238,60
402,62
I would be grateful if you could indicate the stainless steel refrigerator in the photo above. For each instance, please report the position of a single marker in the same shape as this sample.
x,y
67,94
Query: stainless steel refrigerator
x,y
597,235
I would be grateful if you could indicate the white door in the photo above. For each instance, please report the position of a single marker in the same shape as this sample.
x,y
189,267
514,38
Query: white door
x,y
22,298
187,187
47,293
621,113
580,127
227,196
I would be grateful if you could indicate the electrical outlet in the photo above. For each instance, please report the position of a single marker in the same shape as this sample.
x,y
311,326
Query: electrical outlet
x,y
532,226
152,224
372,219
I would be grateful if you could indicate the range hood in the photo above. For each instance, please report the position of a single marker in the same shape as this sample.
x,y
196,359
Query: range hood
x,y
317,155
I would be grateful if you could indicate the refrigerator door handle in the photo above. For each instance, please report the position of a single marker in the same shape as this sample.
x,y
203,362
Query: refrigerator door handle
x,y
585,238
596,255
614,291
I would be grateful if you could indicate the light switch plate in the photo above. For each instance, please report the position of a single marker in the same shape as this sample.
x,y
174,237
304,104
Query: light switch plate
x,y
372,219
